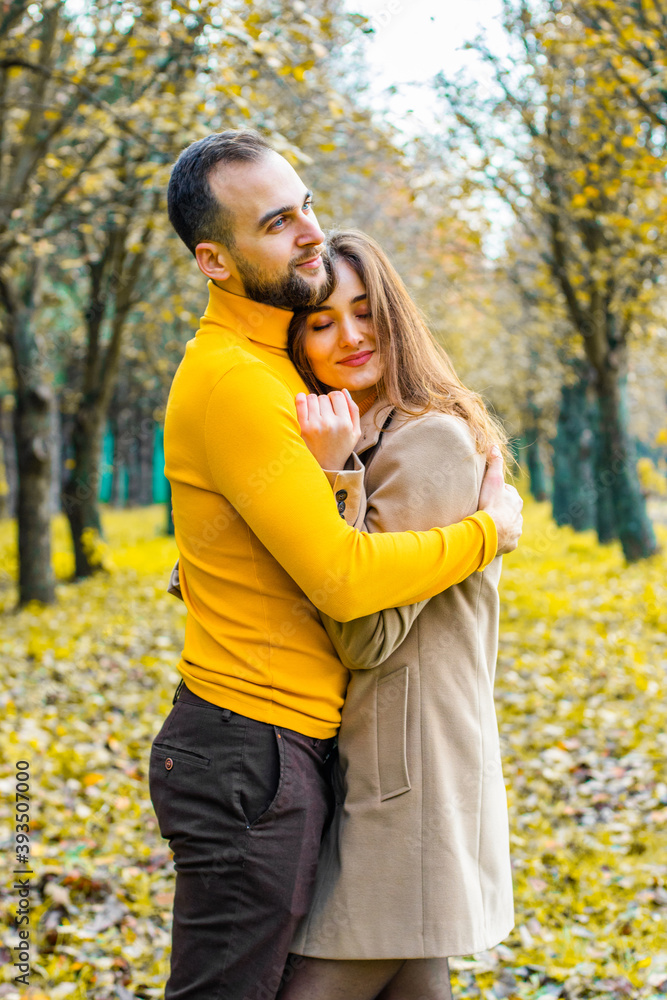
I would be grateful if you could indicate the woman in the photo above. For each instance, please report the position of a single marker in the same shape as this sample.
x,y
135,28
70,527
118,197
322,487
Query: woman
x,y
415,866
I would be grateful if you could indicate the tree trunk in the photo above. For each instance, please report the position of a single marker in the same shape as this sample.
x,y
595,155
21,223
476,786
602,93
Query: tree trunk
x,y
534,464
146,447
106,464
574,493
618,473
116,499
32,428
79,497
8,485
563,490
4,483
583,512
605,517
134,462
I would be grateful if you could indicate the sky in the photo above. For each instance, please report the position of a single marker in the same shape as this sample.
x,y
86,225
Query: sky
x,y
414,40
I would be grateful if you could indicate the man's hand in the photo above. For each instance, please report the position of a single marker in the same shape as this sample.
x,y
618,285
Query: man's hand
x,y
502,502
329,426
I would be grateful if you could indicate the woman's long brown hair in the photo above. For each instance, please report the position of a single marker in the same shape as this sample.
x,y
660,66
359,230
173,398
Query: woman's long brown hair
x,y
417,373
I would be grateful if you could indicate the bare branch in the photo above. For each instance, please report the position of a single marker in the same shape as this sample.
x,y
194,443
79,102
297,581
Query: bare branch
x,y
60,195
86,92
12,12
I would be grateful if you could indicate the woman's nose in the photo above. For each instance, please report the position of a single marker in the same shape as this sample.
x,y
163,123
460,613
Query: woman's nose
x,y
349,333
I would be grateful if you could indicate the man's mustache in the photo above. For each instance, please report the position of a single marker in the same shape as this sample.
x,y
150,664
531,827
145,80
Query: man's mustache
x,y
309,256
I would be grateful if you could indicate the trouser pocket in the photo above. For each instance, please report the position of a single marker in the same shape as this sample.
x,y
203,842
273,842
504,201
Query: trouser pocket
x,y
194,766
261,772
169,755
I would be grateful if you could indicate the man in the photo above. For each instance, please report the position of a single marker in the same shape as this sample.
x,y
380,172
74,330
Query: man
x,y
238,771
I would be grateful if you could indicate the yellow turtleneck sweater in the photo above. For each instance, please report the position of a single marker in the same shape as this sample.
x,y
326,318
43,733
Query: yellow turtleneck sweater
x,y
260,538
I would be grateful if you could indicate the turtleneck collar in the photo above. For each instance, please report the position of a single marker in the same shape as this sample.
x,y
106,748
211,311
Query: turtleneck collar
x,y
367,401
258,322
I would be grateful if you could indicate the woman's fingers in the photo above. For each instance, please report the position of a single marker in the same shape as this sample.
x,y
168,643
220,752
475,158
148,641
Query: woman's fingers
x,y
329,426
513,489
333,413
326,409
301,409
339,404
314,411
354,413
347,410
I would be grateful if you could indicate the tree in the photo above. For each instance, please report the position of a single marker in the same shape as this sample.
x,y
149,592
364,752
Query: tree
x,y
249,64
117,210
19,288
95,106
566,149
63,79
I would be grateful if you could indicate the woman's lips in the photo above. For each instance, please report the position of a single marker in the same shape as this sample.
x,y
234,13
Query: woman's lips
x,y
357,359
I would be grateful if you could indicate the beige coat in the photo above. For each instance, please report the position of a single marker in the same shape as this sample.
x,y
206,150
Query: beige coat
x,y
416,863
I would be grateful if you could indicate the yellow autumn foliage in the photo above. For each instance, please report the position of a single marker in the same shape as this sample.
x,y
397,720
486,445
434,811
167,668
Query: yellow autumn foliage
x,y
653,481
582,714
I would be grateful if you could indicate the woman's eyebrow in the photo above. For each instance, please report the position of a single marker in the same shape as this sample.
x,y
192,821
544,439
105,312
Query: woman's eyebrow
x,y
357,298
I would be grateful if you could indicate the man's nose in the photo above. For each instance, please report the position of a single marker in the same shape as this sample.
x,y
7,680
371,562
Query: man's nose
x,y
310,231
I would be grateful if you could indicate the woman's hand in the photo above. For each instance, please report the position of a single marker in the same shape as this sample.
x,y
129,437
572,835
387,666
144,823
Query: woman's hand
x,y
502,502
329,426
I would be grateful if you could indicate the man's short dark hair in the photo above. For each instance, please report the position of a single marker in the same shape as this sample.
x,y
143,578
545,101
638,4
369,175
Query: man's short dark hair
x,y
194,211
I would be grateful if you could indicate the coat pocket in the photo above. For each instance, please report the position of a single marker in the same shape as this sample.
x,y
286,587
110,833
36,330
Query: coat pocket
x,y
392,714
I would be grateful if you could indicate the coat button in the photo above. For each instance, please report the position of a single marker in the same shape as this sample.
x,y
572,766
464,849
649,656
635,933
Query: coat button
x,y
169,763
341,495
341,508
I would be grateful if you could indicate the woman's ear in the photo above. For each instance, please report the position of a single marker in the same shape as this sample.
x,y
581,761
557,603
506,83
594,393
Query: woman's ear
x,y
212,261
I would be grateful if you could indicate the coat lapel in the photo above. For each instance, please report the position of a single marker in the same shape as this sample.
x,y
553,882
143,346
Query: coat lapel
x,y
371,424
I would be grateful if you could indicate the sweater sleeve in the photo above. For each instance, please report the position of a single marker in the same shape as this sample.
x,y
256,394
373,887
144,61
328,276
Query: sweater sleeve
x,y
434,464
259,462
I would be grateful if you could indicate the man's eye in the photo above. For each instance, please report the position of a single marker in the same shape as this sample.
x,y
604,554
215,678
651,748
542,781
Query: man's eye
x,y
307,205
275,223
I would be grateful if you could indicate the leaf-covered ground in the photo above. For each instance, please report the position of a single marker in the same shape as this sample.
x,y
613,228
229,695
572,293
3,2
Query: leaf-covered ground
x,y
582,710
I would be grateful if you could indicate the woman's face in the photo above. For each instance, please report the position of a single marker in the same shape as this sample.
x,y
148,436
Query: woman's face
x,y
340,340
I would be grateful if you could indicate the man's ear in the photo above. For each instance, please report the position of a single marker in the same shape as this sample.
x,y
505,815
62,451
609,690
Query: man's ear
x,y
212,259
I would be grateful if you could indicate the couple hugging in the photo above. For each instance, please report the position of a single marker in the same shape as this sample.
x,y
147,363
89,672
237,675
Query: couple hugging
x,y
339,510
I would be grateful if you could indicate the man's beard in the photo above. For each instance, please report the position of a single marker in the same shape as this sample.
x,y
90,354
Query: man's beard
x,y
289,291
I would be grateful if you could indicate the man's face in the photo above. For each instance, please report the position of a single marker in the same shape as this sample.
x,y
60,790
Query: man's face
x,y
276,257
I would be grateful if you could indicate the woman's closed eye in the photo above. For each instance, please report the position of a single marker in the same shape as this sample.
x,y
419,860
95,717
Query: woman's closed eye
x,y
326,325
